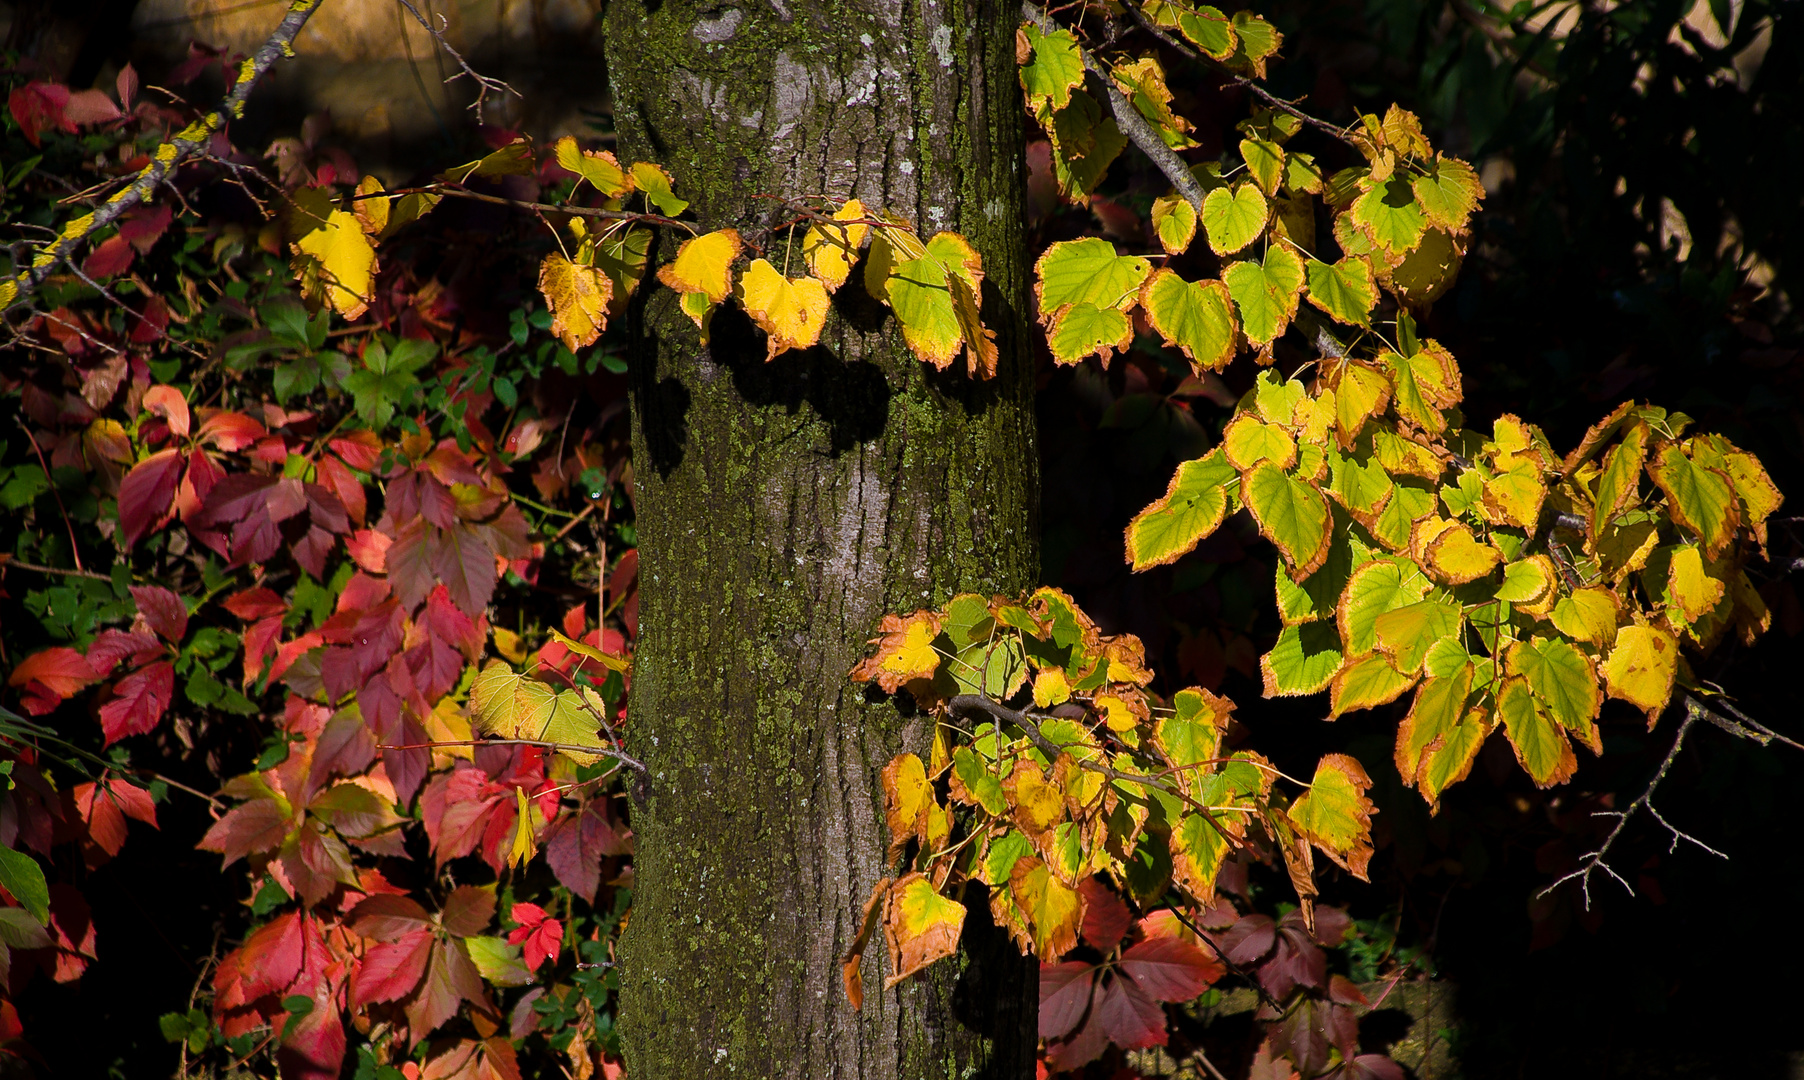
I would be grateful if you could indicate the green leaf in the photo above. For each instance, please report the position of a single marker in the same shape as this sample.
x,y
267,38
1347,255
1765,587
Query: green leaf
x,y
498,962
1265,163
1193,507
1448,764
1086,330
1345,290
1087,272
1365,683
1209,30
1540,745
1266,293
1315,597
1406,634
19,929
974,784
1198,849
655,183
1084,143
1700,500
1303,661
1439,704
1195,316
1564,680
1234,217
1291,514
21,875
1055,68
1335,814
1380,586
1388,216
1174,223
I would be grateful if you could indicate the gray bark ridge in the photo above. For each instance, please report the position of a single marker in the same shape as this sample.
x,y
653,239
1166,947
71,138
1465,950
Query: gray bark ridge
x,y
784,507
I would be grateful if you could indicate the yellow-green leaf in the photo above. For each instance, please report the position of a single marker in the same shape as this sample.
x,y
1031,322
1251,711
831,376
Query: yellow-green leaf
x,y
1248,440
703,264
1587,615
906,798
1053,69
1302,661
336,263
1700,500
920,925
1084,330
1192,508
1456,556
1382,585
1234,217
830,250
1366,683
514,159
1265,163
600,168
1174,222
1406,634
1291,514
1266,292
655,182
1054,909
1335,814
1345,290
1195,316
1438,705
1448,193
1564,681
1449,758
1087,272
1542,748
1390,218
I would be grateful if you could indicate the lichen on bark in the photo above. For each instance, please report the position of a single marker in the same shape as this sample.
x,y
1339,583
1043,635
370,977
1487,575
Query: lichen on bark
x,y
783,507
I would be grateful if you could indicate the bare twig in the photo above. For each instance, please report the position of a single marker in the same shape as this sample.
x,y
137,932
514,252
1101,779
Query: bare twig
x,y
10,563
485,85
1742,726
461,192
1594,861
190,142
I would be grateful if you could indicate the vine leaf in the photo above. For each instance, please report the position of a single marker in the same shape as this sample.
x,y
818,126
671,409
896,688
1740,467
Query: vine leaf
x,y
1086,272
1345,290
1050,66
333,257
1084,329
598,167
1291,514
1053,909
1304,660
1335,815
1542,748
907,799
904,651
1448,193
1563,680
1174,223
1700,499
1266,292
655,183
703,271
831,250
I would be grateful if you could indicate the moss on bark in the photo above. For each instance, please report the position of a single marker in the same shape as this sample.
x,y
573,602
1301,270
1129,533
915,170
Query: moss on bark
x,y
783,507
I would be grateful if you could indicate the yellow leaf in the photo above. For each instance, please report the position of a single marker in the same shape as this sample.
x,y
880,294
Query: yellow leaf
x,y
1456,557
1174,221
509,644
904,651
655,182
791,312
1587,615
921,926
1052,908
371,209
578,297
1051,688
336,263
704,265
524,846
607,660
600,168
1641,667
830,250
906,797
1039,805
1335,814
446,723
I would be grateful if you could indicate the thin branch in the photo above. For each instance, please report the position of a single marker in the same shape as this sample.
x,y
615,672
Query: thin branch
x,y
1129,120
1644,801
1746,728
461,192
1260,92
74,548
190,142
484,84
8,563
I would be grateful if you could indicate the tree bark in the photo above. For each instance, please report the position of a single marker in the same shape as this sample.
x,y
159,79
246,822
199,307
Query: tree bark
x,y
784,507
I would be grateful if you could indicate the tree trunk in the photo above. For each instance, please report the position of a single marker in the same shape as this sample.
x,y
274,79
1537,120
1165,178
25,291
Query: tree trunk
x,y
784,507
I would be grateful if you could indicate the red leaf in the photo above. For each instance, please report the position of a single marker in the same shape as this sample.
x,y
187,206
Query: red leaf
x,y
110,257
439,995
1249,939
163,611
112,646
142,697
106,806
60,671
576,843
1131,1019
1171,969
259,642
168,402
314,1048
542,940
229,430
361,450
469,910
450,466
1106,918
248,828
267,963
253,604
1371,1067
151,324
72,929
391,970
1064,996
336,478
144,225
388,917
407,564
90,107
38,105
1084,1047
147,491
465,565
